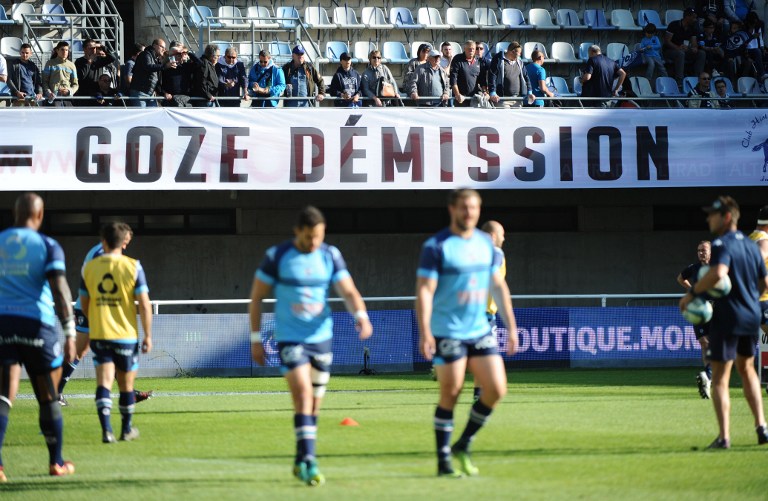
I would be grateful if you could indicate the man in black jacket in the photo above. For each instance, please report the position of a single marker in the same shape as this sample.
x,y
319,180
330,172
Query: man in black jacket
x,y
89,67
205,84
24,79
146,74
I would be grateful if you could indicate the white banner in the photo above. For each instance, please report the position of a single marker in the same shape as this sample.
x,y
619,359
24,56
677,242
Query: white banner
x,y
389,149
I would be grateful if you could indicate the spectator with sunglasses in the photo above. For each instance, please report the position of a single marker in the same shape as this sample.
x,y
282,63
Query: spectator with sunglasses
x,y
233,79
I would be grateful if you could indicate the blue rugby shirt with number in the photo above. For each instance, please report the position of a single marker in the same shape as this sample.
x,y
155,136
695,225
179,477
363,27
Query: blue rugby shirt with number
x,y
112,282
463,268
27,258
300,282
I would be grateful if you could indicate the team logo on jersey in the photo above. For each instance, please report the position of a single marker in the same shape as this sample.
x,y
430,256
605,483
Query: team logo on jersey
x,y
107,284
292,354
486,342
14,248
449,347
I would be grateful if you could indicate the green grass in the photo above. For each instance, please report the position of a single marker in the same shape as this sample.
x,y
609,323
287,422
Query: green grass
x,y
602,434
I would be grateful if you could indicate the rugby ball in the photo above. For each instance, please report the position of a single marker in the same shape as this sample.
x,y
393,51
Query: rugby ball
x,y
721,288
698,311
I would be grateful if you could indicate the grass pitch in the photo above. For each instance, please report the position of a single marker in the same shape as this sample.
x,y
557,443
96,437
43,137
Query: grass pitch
x,y
588,434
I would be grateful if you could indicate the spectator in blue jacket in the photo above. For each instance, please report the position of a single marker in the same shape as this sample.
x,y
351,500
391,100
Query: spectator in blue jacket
x,y
265,80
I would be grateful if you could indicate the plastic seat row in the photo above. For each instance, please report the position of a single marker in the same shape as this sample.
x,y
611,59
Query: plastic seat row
x,y
667,87
10,46
484,18
49,13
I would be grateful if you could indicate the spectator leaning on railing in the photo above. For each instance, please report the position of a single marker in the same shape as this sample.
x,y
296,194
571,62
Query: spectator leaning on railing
x,y
430,81
507,77
24,79
89,67
146,74
265,80
233,79
378,82
205,83
302,80
699,96
345,84
59,76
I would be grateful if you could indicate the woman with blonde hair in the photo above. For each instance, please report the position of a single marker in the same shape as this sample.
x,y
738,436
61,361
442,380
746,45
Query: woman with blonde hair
x,y
378,82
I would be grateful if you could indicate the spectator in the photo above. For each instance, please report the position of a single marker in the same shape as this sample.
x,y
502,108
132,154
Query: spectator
x,y
538,77
447,56
737,10
714,11
106,94
266,80
147,73
699,95
345,84
755,45
4,90
410,69
112,69
378,82
126,70
59,76
681,46
721,91
465,74
485,61
177,76
507,77
650,46
737,62
233,79
599,76
302,80
24,79
430,81
89,67
712,45
205,81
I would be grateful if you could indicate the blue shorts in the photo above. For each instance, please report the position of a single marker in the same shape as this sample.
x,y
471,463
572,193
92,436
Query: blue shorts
x,y
725,348
764,310
29,342
125,356
451,350
294,354
81,321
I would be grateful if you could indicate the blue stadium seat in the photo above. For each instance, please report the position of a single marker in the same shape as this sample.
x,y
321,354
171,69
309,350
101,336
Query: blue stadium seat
x,y
514,19
53,13
500,47
485,19
375,19
334,49
623,20
402,18
568,19
287,17
559,86
595,20
541,19
394,52
202,16
728,85
646,16
584,50
667,87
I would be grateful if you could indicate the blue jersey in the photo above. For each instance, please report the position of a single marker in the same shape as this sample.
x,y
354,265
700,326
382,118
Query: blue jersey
x,y
96,251
738,313
301,281
27,259
463,270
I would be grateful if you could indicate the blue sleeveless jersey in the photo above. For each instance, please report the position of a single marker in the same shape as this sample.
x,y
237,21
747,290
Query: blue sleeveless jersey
x,y
463,270
96,251
300,282
26,259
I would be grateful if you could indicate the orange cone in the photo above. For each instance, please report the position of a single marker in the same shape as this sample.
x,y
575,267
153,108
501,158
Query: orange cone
x,y
348,421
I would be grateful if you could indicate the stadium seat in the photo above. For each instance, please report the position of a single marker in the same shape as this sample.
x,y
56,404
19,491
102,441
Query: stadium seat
x,y
541,19
20,10
4,17
10,46
261,18
645,16
623,20
248,53
485,19
514,19
577,85
76,49
53,13
584,50
728,85
402,18
563,52
222,44
311,53
568,19
458,18
529,47
673,15
667,87
362,49
346,18
595,20
617,51
281,51
500,47
334,49
394,52
748,86
415,47
44,47
689,83
287,17
375,19
202,16
641,87
316,18
232,17
431,19
559,86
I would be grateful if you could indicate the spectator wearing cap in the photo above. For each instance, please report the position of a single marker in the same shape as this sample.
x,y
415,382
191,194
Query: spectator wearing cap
x,y
681,45
465,74
233,79
410,69
59,76
205,82
345,84
302,80
507,77
430,81
264,81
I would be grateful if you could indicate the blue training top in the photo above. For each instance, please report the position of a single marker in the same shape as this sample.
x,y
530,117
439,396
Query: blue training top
x,y
96,251
738,313
27,259
463,270
301,281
